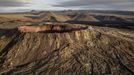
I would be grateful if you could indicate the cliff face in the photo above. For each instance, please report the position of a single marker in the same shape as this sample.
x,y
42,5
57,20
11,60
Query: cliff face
x,y
90,51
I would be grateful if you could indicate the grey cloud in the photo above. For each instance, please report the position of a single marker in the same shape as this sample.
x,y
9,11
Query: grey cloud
x,y
12,3
71,3
104,4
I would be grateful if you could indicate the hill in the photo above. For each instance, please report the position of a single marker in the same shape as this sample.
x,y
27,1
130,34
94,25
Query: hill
x,y
85,51
84,17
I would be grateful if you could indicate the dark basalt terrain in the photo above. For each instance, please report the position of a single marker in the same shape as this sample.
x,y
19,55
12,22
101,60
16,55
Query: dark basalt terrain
x,y
67,49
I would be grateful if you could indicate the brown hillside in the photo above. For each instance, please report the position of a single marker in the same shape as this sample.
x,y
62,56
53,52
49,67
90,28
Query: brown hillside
x,y
84,17
90,51
54,17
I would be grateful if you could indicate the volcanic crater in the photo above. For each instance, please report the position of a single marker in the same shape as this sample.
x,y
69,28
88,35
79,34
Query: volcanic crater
x,y
65,48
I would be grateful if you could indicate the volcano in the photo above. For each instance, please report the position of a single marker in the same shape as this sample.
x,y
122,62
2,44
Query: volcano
x,y
66,50
66,43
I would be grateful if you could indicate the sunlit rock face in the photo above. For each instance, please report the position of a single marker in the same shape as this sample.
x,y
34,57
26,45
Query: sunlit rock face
x,y
51,28
66,50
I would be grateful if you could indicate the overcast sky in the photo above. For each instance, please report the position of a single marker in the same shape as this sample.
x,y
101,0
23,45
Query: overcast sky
x,y
25,5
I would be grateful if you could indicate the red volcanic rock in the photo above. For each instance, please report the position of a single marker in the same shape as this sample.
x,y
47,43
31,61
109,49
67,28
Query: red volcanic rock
x,y
50,28
34,28
28,29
